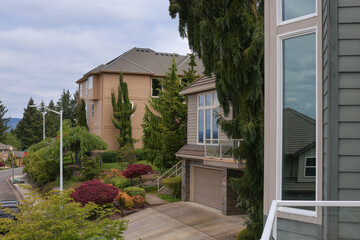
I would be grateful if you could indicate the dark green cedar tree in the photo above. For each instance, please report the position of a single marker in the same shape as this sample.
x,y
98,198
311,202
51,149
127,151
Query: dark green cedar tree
x,y
190,72
165,127
122,112
29,129
229,38
67,103
52,121
3,122
81,114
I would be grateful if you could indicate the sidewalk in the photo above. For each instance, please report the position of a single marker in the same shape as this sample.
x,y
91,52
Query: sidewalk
x,y
153,200
21,191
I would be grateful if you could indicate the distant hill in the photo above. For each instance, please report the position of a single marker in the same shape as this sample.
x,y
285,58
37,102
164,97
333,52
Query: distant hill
x,y
13,122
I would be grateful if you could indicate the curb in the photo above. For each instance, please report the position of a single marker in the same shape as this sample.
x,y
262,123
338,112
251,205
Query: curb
x,y
18,194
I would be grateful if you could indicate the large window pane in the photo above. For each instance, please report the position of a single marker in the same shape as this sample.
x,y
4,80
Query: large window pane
x,y
201,126
156,87
215,126
208,123
297,8
201,100
299,117
208,99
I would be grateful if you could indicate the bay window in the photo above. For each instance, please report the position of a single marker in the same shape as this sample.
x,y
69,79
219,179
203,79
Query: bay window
x,y
208,109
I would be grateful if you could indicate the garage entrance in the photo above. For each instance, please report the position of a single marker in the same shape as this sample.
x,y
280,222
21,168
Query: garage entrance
x,y
208,187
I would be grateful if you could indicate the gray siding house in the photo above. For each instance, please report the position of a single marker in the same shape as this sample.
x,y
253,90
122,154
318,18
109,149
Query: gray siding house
x,y
312,69
207,158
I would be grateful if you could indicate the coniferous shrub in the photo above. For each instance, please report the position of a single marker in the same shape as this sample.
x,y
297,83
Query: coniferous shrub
x,y
125,200
90,168
135,191
136,170
109,156
94,191
173,183
120,182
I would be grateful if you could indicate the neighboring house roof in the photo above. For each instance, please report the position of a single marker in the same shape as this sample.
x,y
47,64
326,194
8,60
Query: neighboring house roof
x,y
145,61
196,151
202,84
19,154
300,132
4,146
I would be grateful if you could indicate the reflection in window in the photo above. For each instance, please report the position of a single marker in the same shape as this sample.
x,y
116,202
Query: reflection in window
x,y
297,8
208,108
155,87
299,117
310,167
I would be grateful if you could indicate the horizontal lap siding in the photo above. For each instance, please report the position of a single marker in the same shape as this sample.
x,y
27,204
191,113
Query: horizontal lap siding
x,y
192,119
349,116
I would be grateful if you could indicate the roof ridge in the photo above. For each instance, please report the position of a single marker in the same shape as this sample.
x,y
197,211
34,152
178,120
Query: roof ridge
x,y
138,65
303,116
122,55
186,58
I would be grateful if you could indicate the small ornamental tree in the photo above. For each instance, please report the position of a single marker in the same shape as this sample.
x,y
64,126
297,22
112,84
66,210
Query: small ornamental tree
x,y
94,191
136,170
81,114
2,164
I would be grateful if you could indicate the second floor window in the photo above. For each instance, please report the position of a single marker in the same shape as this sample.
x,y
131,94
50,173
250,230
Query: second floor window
x,y
208,109
90,80
92,110
155,87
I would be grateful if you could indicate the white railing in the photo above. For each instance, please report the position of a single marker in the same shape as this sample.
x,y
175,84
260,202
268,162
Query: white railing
x,y
270,225
221,148
175,171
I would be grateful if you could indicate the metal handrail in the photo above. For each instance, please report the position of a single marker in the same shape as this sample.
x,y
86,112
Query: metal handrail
x,y
177,167
279,203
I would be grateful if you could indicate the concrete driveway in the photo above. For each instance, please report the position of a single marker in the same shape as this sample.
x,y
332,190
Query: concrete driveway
x,y
183,220
6,190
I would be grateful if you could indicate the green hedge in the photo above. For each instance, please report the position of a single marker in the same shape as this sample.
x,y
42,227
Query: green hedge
x,y
120,182
134,191
109,156
173,183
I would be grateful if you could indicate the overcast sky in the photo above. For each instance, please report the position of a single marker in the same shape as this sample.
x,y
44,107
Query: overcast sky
x,y
46,45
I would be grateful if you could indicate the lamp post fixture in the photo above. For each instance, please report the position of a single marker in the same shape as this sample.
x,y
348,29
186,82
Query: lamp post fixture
x,y
61,139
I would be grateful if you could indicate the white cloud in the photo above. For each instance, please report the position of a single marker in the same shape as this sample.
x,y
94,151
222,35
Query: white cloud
x,y
45,46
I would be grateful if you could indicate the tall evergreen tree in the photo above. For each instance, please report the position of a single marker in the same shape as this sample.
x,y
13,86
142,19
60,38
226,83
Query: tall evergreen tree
x,y
229,37
3,122
67,103
52,121
190,73
29,129
81,114
165,130
122,112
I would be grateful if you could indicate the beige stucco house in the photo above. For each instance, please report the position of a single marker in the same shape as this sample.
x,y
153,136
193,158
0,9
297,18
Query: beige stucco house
x,y
207,159
142,68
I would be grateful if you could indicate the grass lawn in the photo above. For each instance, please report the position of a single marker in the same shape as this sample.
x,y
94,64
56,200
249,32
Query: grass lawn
x,y
151,189
106,166
168,198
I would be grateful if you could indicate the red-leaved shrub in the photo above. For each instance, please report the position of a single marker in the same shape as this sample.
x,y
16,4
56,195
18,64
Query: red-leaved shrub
x,y
136,170
94,191
2,164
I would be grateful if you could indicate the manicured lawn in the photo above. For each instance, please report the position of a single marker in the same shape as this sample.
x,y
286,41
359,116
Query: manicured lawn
x,y
151,189
168,198
106,166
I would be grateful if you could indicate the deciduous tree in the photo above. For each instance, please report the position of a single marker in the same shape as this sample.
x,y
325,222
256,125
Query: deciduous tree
x,y
229,37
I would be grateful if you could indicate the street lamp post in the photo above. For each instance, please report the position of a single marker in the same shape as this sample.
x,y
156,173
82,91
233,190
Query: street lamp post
x,y
12,161
61,140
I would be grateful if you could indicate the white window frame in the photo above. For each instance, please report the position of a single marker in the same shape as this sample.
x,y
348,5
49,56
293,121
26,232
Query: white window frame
x,y
151,88
198,108
90,82
301,18
279,132
305,167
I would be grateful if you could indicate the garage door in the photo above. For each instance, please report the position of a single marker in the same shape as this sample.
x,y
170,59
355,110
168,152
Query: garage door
x,y
208,187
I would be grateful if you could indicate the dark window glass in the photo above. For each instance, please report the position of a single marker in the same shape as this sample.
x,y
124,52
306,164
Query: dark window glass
x,y
215,126
156,87
299,117
208,123
201,100
297,8
201,126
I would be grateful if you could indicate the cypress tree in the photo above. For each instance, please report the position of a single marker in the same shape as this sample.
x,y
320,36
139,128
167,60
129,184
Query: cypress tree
x,y
165,130
81,114
190,73
3,122
229,37
122,112
29,129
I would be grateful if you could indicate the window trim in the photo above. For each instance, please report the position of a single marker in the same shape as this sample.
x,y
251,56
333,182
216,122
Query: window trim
x,y
279,120
280,22
131,107
306,158
151,87
198,108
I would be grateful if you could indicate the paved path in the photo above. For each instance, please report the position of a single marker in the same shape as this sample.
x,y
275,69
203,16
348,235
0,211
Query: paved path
x,y
153,200
6,191
183,220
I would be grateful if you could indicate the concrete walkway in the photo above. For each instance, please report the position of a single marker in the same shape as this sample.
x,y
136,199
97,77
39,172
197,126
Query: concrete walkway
x,y
183,220
153,200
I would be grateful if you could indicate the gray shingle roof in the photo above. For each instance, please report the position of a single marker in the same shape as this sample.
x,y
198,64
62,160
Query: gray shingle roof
x,y
202,84
299,132
192,150
4,146
145,61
